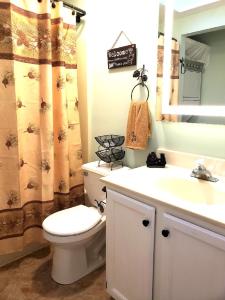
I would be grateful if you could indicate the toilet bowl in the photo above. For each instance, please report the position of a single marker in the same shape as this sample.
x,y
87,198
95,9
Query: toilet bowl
x,y
77,234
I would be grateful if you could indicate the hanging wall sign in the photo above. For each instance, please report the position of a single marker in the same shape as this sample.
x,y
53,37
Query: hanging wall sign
x,y
122,56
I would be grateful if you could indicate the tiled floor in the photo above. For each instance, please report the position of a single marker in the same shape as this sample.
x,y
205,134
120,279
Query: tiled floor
x,y
29,279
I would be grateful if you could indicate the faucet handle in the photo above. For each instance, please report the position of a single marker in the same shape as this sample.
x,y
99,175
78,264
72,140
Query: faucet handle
x,y
201,172
200,163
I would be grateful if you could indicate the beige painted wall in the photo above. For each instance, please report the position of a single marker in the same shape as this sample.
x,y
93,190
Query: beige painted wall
x,y
109,91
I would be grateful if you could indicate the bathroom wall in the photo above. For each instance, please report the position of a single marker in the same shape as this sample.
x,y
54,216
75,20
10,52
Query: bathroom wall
x,y
108,92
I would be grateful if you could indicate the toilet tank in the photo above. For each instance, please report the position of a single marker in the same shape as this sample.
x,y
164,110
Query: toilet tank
x,y
92,185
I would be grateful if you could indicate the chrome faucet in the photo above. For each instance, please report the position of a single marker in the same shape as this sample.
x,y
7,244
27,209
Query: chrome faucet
x,y
201,172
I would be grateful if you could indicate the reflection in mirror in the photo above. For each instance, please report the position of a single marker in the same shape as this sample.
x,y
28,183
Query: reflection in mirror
x,y
174,78
197,73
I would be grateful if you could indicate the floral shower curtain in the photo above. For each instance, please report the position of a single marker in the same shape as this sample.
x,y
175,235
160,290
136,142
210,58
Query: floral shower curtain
x,y
174,78
40,145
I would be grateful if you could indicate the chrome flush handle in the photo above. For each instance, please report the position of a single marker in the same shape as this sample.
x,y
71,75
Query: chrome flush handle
x,y
100,205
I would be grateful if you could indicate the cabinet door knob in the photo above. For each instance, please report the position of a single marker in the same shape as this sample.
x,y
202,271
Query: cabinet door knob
x,y
165,232
145,222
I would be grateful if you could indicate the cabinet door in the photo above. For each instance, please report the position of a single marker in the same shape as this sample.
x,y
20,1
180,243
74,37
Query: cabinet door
x,y
192,262
129,247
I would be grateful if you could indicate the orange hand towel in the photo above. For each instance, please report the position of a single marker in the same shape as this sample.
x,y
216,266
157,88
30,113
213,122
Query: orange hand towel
x,y
138,125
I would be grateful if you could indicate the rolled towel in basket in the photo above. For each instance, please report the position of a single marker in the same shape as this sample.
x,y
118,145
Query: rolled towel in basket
x,y
138,125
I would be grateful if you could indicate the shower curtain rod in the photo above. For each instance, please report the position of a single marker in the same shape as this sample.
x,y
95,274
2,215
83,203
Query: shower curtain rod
x,y
80,12
161,33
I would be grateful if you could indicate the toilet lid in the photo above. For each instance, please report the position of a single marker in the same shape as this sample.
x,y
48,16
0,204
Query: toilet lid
x,y
72,220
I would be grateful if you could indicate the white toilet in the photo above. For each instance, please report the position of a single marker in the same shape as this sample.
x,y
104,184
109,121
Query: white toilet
x,y
78,233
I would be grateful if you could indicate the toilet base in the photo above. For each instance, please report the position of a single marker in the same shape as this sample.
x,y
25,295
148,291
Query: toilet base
x,y
69,273
70,263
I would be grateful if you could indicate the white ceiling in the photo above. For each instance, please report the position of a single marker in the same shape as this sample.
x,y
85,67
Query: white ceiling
x,y
184,5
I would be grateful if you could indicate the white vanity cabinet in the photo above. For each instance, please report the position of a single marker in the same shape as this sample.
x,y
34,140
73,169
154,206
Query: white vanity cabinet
x,y
129,247
192,261
189,260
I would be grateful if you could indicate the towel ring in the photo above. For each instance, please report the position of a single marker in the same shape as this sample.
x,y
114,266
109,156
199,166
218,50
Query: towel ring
x,y
144,85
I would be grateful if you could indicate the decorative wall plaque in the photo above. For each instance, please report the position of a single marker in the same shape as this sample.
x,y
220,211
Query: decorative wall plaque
x,y
123,56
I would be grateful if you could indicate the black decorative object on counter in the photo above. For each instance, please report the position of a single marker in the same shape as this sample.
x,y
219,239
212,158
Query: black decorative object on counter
x,y
154,162
109,149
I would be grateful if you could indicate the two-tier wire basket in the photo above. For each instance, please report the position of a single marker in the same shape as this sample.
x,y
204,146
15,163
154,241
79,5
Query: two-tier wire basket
x,y
110,149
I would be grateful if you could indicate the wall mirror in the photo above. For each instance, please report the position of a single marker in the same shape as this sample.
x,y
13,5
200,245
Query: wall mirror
x,y
191,61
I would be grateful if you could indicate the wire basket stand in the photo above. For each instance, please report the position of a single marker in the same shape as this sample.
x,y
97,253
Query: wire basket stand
x,y
110,149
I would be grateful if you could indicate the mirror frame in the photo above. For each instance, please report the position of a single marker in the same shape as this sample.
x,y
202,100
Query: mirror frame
x,y
204,110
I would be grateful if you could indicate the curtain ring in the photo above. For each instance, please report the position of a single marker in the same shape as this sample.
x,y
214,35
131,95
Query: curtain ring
x,y
53,4
144,85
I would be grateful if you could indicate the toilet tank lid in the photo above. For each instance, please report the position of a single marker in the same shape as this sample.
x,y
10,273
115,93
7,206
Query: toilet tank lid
x,y
104,169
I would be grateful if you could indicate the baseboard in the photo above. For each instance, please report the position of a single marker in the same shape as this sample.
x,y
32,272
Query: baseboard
x,y
9,258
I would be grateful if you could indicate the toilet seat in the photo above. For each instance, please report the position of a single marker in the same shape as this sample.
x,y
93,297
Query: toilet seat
x,y
72,221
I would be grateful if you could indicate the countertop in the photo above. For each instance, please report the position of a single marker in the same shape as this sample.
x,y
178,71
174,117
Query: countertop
x,y
175,187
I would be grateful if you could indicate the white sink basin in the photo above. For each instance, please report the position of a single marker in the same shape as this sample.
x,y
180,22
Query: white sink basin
x,y
173,186
192,190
